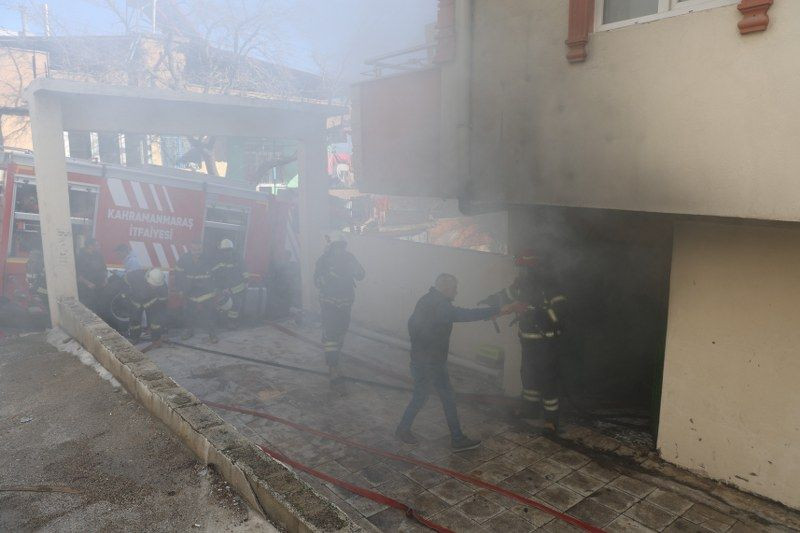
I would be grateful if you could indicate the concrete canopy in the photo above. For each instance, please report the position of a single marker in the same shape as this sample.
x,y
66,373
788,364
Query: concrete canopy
x,y
95,107
60,105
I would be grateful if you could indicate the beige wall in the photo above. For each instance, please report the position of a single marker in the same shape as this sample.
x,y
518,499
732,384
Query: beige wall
x,y
731,401
400,272
679,115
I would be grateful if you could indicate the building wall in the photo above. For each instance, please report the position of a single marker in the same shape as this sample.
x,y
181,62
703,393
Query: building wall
x,y
680,115
731,403
400,272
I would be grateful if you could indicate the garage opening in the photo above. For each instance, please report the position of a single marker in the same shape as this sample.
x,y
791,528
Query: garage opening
x,y
614,268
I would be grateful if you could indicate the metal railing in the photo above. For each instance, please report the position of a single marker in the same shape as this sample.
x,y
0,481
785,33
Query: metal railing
x,y
407,60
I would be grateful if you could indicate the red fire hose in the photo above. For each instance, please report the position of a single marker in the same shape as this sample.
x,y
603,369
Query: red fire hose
x,y
361,491
446,471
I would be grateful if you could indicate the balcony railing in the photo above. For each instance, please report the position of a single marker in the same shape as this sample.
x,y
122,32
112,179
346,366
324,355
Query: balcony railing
x,y
407,60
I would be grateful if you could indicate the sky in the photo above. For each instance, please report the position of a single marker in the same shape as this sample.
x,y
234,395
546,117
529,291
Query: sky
x,y
340,34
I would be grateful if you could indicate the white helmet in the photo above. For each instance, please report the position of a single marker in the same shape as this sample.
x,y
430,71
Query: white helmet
x,y
226,244
156,277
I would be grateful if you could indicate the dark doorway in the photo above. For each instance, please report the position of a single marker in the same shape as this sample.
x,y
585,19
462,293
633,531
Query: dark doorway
x,y
614,268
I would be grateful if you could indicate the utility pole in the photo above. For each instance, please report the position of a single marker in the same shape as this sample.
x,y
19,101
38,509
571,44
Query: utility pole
x,y
23,15
153,18
46,9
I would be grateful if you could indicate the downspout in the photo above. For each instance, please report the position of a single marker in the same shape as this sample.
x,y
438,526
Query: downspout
x,y
464,63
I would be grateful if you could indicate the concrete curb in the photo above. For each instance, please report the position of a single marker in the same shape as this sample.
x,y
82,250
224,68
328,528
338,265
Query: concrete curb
x,y
268,486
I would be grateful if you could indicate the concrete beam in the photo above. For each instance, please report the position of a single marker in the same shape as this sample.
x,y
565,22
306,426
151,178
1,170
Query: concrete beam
x,y
313,208
53,195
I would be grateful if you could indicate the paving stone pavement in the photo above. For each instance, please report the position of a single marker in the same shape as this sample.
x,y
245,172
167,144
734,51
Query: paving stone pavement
x,y
517,459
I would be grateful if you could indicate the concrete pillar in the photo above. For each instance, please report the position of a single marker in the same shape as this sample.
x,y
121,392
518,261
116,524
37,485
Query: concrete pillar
x,y
313,208
53,194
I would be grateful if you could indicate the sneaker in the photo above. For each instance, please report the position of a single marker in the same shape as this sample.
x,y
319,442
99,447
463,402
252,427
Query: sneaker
x,y
464,443
405,436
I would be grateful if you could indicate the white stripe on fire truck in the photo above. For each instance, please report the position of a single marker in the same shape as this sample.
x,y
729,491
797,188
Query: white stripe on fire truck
x,y
139,193
169,200
162,256
118,194
154,193
175,252
142,254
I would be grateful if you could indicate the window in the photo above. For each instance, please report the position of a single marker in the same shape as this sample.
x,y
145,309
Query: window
x,y
612,14
26,229
225,222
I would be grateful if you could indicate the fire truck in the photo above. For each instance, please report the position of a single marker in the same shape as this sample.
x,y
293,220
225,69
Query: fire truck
x,y
157,211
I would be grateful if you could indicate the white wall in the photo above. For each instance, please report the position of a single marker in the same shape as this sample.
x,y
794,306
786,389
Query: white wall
x,y
679,115
400,272
731,401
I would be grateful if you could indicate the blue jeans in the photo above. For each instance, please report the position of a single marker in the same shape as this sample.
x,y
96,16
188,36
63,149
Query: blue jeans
x,y
427,375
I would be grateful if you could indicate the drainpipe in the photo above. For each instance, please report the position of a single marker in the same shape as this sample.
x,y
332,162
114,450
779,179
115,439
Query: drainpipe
x,y
456,72
457,117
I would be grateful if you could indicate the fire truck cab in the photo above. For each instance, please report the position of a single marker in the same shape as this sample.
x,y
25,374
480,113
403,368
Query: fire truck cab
x,y
157,211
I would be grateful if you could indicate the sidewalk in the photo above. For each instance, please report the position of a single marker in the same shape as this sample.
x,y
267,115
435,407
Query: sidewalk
x,y
603,489
102,462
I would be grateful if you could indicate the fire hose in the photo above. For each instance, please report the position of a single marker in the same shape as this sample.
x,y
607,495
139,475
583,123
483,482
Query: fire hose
x,y
358,490
495,399
417,462
361,491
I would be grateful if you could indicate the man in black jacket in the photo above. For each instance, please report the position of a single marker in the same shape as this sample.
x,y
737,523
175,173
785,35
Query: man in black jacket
x,y
430,327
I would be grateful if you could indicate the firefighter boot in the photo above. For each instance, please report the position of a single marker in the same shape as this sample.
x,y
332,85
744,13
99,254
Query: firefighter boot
x,y
188,334
529,410
551,426
336,379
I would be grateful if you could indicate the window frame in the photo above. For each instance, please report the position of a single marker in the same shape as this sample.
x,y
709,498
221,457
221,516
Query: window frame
x,y
36,217
666,9
241,230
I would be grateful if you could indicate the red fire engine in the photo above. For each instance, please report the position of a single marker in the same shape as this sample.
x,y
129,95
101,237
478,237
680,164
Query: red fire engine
x,y
156,210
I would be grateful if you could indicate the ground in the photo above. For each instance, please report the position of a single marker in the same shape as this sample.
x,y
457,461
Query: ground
x,y
103,462
606,490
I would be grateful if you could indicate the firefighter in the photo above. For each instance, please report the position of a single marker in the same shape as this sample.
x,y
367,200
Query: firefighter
x,y
429,328
37,284
335,276
541,318
229,279
92,274
194,284
146,293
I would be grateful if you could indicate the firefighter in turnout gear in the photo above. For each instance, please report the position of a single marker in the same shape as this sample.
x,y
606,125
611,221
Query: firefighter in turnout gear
x,y
229,279
37,284
335,276
540,316
197,290
146,294
92,273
